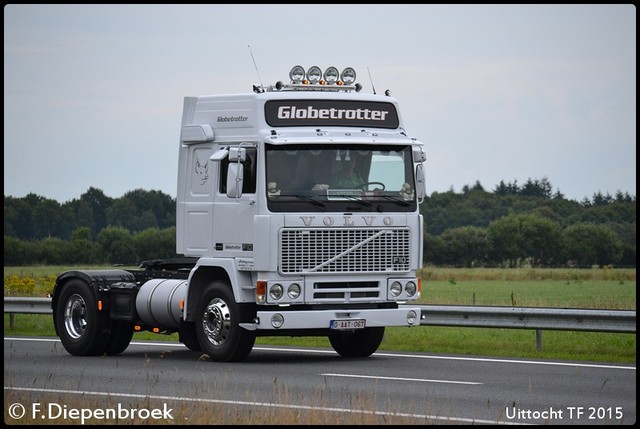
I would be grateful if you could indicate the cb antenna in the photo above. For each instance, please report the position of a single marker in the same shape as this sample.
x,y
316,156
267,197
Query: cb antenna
x,y
254,64
372,87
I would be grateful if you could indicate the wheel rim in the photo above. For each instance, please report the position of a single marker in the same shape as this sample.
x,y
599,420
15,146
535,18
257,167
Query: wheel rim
x,y
75,316
217,322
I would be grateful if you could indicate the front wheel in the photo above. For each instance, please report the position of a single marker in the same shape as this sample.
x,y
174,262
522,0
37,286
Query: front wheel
x,y
218,321
360,343
187,336
83,330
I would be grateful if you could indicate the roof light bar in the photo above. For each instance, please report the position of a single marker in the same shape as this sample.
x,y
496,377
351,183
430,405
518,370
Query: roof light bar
x,y
314,79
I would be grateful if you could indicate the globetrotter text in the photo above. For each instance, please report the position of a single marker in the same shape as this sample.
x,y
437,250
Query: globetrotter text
x,y
290,112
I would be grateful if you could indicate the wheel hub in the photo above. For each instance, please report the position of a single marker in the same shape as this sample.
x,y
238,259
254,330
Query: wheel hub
x,y
75,316
216,322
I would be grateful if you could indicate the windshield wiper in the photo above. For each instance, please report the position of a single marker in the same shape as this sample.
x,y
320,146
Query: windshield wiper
x,y
398,200
357,200
307,198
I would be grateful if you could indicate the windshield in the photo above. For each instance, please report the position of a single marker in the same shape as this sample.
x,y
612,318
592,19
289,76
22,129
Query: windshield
x,y
340,178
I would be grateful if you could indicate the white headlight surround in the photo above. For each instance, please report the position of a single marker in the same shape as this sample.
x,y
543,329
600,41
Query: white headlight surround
x,y
284,292
408,289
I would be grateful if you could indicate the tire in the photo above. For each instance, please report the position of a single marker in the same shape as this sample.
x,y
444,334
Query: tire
x,y
120,337
83,330
217,324
187,336
361,343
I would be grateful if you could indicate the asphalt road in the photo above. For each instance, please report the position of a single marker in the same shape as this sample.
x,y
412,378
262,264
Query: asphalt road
x,y
165,383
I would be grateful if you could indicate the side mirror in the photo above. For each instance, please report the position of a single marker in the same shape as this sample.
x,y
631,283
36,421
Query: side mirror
x,y
421,185
235,174
419,155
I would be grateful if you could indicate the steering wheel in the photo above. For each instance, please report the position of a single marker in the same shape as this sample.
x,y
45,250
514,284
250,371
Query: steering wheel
x,y
366,185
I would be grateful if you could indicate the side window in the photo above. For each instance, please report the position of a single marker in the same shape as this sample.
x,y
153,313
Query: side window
x,y
249,167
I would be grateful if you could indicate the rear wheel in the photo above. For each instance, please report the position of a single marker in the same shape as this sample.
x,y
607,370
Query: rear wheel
x,y
120,337
360,343
217,324
83,330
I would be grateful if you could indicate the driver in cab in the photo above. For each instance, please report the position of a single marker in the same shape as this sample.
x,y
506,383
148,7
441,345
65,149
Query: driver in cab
x,y
347,177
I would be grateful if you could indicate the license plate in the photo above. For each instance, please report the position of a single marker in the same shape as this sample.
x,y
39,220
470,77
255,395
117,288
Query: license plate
x,y
347,324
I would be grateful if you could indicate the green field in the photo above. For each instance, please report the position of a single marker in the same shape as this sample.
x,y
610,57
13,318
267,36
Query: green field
x,y
604,288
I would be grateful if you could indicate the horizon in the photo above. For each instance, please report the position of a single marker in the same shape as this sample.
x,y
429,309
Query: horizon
x,y
93,93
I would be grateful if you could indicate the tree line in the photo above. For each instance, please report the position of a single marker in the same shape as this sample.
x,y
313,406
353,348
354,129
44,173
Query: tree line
x,y
528,225
513,225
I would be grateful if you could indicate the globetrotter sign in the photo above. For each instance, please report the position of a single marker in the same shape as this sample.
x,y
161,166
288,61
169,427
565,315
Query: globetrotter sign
x,y
305,113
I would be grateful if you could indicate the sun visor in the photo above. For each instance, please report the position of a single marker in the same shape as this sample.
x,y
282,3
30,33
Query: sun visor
x,y
196,133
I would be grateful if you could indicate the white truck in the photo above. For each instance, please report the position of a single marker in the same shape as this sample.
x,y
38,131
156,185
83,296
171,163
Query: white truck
x,y
297,215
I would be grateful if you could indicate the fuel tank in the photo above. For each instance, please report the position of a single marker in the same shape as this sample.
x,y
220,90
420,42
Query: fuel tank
x,y
158,302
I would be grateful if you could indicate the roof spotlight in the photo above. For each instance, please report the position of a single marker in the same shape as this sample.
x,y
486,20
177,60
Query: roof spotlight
x,y
314,74
331,75
348,76
296,74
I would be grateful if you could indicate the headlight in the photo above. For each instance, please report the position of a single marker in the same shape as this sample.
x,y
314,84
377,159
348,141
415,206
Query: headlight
x,y
293,290
411,288
275,291
395,289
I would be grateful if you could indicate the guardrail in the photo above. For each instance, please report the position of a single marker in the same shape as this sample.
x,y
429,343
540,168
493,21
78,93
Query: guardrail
x,y
564,319
538,318
26,305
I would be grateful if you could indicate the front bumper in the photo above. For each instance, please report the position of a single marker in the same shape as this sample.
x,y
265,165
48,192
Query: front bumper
x,y
321,319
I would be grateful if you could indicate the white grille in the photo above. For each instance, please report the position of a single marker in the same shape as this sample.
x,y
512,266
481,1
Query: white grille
x,y
344,250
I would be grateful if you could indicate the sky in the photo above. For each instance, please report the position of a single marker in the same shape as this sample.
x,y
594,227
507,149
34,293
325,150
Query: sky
x,y
93,94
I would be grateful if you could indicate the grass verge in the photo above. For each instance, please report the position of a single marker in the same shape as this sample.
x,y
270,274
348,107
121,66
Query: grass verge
x,y
601,288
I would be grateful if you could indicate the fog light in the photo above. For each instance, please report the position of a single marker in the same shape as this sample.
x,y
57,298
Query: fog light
x,y
411,317
277,320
